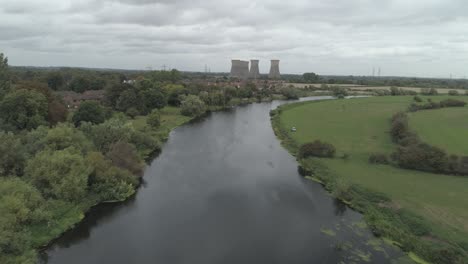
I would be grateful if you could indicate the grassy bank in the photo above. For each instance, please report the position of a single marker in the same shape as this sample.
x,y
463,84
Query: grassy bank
x,y
426,213
445,128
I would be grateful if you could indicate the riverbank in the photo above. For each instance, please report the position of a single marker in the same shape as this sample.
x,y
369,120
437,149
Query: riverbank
x,y
64,216
419,211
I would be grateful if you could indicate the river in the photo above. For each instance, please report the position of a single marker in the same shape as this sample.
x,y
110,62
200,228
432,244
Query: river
x,y
223,190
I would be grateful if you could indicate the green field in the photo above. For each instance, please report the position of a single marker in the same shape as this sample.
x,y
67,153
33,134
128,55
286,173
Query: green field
x,y
358,127
445,128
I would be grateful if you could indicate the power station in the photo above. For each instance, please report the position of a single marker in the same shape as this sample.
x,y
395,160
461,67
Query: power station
x,y
240,69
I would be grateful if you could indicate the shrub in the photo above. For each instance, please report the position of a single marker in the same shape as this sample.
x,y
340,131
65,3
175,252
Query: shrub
x,y
452,103
417,99
89,111
192,106
61,174
339,92
378,158
453,92
399,128
154,119
317,149
125,156
422,157
132,112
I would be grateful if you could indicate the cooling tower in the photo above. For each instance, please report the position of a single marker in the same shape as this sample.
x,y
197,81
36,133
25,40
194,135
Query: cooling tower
x,y
274,70
254,70
240,69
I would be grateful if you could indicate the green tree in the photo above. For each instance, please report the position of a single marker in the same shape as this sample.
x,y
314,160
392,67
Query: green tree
x,y
55,80
89,111
127,99
57,112
339,92
153,98
80,84
4,76
154,119
110,182
20,204
113,92
12,155
23,109
108,133
310,77
66,136
124,155
192,106
61,174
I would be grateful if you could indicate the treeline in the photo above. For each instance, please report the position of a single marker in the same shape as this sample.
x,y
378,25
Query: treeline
x,y
80,79
49,167
311,77
418,105
414,154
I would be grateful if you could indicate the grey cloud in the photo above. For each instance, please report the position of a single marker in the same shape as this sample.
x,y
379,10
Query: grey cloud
x,y
418,37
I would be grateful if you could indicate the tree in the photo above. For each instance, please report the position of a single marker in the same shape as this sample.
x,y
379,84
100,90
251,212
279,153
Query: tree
x,y
153,98
110,132
113,92
192,106
125,156
55,80
80,84
89,111
20,204
23,109
12,155
453,92
154,119
61,174
290,93
65,136
339,92
57,112
108,181
310,77
127,99
4,76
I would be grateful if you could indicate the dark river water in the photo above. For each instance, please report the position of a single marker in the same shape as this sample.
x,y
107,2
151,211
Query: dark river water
x,y
223,190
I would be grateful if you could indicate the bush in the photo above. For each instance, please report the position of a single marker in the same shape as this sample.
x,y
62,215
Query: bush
x,y
89,111
132,112
154,119
339,92
453,92
378,158
125,156
399,127
422,157
452,103
192,106
317,149
59,174
417,99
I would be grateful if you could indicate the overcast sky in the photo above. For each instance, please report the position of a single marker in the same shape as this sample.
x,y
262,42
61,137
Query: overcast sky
x,y
346,37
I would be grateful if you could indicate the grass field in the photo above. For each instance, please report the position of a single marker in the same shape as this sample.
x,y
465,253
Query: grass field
x,y
356,87
358,127
445,128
